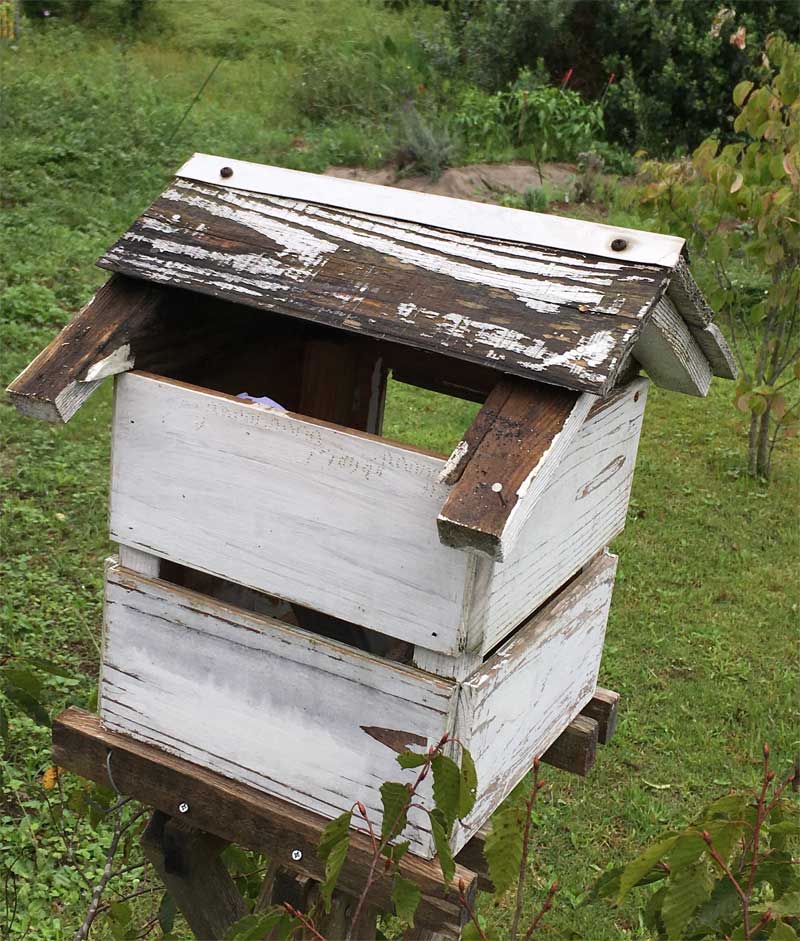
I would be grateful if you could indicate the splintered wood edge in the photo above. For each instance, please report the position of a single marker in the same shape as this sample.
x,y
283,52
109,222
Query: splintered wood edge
x,y
92,346
243,815
488,504
443,212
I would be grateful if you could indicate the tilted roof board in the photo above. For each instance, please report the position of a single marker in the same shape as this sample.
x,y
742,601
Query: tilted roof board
x,y
531,295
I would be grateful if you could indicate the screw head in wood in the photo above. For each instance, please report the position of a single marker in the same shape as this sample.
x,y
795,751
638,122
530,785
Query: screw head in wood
x,y
226,172
183,807
619,245
297,855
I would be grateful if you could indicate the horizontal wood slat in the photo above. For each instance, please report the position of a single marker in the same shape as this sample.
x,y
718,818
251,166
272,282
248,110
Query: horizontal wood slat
x,y
312,720
509,455
554,315
240,814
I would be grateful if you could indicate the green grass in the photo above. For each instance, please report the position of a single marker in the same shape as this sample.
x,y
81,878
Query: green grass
x,y
703,636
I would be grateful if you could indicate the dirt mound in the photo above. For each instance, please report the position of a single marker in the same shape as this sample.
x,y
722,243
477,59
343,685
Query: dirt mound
x,y
482,181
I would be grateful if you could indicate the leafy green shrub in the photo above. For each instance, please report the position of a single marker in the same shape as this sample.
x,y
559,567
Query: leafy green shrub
x,y
730,874
424,145
743,200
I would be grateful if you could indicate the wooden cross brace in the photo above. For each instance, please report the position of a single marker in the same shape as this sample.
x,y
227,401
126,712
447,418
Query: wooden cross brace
x,y
198,812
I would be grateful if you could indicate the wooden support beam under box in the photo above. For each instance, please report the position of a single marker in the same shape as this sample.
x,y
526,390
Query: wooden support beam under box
x,y
243,815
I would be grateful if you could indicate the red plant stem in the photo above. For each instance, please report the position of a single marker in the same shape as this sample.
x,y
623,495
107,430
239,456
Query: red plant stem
x,y
523,863
371,875
304,920
465,904
766,917
548,904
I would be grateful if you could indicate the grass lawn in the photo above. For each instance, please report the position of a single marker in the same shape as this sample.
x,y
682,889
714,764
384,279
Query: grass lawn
x,y
703,637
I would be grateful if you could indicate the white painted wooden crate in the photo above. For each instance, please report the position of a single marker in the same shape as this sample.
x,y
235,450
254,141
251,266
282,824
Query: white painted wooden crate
x,y
345,522
319,722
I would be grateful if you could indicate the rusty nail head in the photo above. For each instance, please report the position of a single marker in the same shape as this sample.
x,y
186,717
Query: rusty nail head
x,y
619,245
183,807
297,855
226,172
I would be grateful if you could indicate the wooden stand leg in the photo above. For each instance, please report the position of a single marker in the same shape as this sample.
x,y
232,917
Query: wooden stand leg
x,y
188,863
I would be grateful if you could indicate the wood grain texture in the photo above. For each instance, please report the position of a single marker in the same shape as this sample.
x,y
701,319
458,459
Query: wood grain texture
x,y
575,750
188,863
505,465
555,315
241,814
319,515
94,344
716,350
283,710
460,215
670,354
602,707
582,509
519,702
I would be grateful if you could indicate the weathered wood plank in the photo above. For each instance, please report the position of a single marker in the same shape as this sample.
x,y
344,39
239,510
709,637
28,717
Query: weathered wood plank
x,y
670,354
465,450
317,722
241,814
443,211
94,344
505,463
552,314
514,707
575,749
583,508
244,492
188,863
602,707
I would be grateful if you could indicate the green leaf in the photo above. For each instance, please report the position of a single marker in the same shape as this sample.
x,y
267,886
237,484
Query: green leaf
x,y
396,851
783,932
731,805
395,799
642,865
48,666
28,704
406,897
686,892
23,679
4,725
256,927
333,846
166,913
688,848
410,759
788,904
446,788
652,913
441,840
469,784
503,845
722,905
740,92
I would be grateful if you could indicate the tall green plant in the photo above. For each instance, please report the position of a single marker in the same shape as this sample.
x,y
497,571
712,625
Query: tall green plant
x,y
742,201
730,874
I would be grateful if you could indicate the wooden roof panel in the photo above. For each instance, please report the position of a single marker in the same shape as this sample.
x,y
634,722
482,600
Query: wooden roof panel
x,y
551,314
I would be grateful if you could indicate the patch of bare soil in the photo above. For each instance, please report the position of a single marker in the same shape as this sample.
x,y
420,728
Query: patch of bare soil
x,y
484,182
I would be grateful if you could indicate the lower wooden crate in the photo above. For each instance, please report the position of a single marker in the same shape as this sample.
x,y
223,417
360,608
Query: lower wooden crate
x,y
320,723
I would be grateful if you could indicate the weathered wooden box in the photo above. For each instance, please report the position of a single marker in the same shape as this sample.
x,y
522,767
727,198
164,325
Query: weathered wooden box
x,y
297,599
